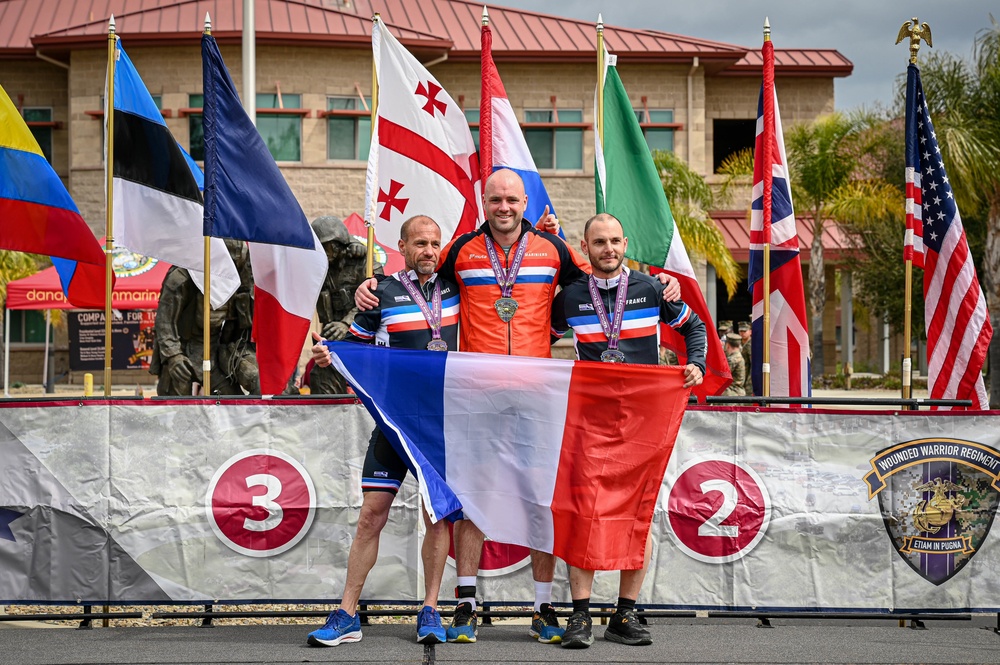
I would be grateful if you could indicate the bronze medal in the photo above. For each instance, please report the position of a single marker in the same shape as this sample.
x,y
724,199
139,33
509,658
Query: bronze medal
x,y
506,308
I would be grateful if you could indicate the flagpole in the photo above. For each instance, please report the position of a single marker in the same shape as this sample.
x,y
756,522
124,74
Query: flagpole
x,y
206,341
599,120
109,241
767,161
915,34
370,254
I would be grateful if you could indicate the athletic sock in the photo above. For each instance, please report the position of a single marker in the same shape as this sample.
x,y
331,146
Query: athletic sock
x,y
466,591
625,604
582,605
543,594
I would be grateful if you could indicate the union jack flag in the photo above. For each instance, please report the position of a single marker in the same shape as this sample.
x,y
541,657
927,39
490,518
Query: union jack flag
x,y
772,221
955,317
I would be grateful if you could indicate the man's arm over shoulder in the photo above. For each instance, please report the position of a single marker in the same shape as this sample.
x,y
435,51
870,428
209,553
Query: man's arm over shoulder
x,y
366,322
572,266
685,321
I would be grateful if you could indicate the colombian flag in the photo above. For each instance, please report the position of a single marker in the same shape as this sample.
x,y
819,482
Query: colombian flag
x,y
38,216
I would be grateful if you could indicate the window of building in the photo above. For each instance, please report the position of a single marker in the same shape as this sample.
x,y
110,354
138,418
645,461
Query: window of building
x,y
552,145
348,128
472,117
39,121
196,132
27,326
658,136
731,136
282,133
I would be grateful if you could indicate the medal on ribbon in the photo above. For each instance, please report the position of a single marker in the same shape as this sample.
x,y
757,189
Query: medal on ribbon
x,y
432,312
505,305
612,327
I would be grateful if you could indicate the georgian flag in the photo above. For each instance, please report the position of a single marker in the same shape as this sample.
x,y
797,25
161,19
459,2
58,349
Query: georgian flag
x,y
423,160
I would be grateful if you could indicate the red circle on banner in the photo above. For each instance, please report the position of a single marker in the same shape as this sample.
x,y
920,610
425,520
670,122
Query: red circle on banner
x,y
718,510
497,558
261,503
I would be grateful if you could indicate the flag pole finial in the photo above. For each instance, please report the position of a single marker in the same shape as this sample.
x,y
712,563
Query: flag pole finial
x,y
600,23
486,16
111,25
767,29
208,24
915,31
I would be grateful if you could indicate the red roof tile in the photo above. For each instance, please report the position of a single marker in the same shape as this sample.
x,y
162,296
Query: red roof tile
x,y
735,228
450,26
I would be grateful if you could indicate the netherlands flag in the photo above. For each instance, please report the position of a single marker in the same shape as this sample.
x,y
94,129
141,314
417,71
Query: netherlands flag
x,y
246,198
772,222
501,142
561,456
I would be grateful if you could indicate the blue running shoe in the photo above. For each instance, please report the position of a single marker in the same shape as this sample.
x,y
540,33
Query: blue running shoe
x,y
339,627
463,624
429,628
545,625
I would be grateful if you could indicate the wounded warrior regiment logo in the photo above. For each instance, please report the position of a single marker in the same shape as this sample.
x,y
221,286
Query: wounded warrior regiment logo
x,y
938,498
129,264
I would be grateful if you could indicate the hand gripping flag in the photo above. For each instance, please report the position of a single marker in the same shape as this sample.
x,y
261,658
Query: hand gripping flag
x,y
501,142
423,159
157,207
246,198
37,214
772,221
955,316
561,456
629,188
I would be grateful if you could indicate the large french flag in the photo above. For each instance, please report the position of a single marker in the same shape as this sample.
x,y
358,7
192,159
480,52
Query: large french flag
x,y
501,142
560,456
246,198
37,214
157,198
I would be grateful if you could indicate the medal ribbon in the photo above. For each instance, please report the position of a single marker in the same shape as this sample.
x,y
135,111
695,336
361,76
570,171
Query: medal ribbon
x,y
506,278
431,313
613,328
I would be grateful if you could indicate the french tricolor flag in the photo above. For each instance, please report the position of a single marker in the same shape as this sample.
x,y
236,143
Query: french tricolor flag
x,y
501,142
246,198
561,456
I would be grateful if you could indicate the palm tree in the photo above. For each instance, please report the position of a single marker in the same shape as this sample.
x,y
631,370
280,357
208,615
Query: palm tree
x,y
964,102
690,200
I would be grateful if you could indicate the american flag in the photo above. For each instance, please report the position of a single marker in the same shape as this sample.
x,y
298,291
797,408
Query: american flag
x,y
772,221
955,317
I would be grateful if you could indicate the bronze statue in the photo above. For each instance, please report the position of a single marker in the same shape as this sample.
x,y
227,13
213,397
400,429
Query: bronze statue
x,y
178,346
335,306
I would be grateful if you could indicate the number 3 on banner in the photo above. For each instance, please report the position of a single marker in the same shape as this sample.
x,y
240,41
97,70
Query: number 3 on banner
x,y
266,501
717,509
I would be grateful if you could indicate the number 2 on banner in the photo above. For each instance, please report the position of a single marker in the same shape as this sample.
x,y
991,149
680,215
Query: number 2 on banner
x,y
713,525
711,530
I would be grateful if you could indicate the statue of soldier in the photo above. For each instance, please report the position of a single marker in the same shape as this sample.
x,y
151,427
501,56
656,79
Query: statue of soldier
x,y
335,306
179,348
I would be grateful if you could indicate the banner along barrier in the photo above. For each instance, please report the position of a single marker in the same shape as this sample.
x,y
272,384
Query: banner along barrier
x,y
159,502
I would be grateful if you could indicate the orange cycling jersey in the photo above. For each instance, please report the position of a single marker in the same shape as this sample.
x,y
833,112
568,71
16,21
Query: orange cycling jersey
x,y
547,263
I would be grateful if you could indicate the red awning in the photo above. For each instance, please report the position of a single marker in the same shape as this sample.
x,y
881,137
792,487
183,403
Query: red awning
x,y
137,285
735,228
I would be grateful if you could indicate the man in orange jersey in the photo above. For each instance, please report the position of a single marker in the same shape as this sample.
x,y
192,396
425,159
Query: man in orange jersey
x,y
507,273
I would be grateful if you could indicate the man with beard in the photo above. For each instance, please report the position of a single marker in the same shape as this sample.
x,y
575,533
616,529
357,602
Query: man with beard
x,y
615,314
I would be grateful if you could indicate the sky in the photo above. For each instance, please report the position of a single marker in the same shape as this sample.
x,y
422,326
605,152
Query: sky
x,y
862,30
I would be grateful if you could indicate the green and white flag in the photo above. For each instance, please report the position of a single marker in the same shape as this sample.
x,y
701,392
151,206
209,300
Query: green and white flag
x,y
629,187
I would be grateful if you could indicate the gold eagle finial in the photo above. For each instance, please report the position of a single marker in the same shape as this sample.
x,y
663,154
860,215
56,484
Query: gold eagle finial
x,y
915,31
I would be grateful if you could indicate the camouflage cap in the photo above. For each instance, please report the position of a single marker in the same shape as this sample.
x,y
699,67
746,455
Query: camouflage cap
x,y
733,338
725,325
744,325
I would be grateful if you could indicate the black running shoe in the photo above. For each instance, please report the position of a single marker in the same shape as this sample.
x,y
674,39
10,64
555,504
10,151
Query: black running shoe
x,y
625,628
578,633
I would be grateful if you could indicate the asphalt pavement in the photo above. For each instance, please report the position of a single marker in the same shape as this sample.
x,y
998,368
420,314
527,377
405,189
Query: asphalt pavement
x,y
674,641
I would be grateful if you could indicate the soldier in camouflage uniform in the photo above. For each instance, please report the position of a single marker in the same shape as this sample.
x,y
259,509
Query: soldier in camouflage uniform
x,y
736,366
744,329
335,306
